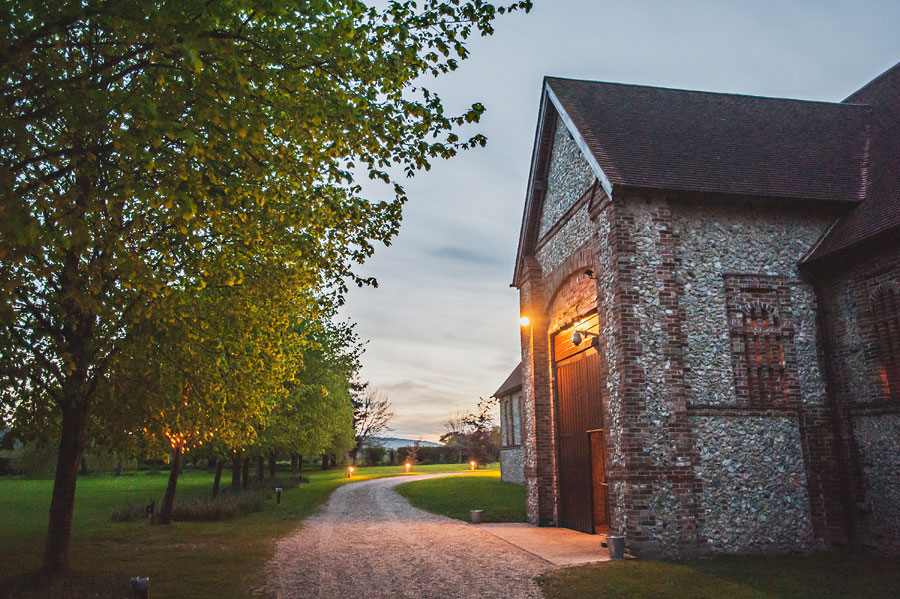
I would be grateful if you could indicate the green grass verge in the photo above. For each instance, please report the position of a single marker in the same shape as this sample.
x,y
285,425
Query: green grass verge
x,y
745,577
186,559
456,495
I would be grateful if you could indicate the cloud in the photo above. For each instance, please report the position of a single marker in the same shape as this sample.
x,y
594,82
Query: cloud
x,y
455,252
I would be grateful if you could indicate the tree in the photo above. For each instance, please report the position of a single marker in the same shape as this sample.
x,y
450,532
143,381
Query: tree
x,y
142,145
454,435
474,433
371,415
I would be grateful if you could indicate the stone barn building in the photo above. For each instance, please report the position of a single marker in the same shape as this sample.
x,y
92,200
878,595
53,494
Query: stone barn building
x,y
512,456
712,362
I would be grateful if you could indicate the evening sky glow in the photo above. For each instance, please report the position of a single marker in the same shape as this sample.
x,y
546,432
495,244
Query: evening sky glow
x,y
443,325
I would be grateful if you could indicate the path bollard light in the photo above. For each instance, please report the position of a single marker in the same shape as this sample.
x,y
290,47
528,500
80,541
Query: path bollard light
x,y
349,471
278,491
475,515
151,511
616,545
472,464
408,466
140,588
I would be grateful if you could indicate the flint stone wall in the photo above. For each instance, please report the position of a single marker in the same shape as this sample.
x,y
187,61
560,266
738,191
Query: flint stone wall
x,y
869,419
878,439
512,465
754,484
737,237
568,177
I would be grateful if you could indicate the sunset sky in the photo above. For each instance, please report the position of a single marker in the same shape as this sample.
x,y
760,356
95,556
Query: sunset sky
x,y
443,324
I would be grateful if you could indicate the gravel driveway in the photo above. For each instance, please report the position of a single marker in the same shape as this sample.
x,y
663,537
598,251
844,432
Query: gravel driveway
x,y
368,542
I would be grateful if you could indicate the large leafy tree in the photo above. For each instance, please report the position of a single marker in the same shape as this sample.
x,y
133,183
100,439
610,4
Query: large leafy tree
x,y
142,144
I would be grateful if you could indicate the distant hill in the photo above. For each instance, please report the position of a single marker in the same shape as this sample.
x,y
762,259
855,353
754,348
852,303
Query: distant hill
x,y
395,443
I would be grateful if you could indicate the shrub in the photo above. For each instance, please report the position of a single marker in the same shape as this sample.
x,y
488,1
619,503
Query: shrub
x,y
202,509
375,455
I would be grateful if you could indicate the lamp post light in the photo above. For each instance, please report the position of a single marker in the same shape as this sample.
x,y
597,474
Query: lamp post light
x,y
472,464
349,471
408,466
278,491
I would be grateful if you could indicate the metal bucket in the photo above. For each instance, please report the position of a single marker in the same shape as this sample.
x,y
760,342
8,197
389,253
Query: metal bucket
x,y
476,516
616,546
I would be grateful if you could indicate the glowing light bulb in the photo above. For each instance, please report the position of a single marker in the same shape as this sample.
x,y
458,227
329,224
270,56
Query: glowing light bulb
x,y
524,321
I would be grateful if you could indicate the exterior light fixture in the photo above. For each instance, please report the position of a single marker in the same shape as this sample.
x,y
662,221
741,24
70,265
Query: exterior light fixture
x,y
590,274
408,466
349,471
577,336
472,464
524,321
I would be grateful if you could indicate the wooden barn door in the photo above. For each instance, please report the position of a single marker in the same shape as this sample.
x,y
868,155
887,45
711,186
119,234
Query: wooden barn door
x,y
582,460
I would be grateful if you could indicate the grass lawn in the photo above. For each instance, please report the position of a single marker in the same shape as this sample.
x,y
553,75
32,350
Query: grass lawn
x,y
456,495
822,575
186,559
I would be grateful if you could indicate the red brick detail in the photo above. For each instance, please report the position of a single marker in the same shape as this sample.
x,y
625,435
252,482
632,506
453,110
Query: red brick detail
x,y
761,323
539,438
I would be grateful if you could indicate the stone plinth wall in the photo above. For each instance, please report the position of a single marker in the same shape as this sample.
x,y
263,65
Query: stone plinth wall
x,y
512,465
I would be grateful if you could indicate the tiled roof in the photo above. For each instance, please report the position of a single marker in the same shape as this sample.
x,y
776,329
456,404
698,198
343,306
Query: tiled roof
x,y
879,213
712,142
512,383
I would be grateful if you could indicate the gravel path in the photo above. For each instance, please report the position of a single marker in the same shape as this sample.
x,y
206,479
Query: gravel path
x,y
368,542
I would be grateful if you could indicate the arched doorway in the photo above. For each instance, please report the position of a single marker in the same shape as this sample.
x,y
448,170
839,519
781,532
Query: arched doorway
x,y
581,455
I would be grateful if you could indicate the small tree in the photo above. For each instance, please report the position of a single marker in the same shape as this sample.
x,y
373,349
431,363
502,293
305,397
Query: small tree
x,y
371,415
412,455
473,433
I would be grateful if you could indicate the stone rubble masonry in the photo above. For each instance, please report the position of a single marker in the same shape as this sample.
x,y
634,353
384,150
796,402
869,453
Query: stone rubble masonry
x,y
512,461
568,176
868,421
744,512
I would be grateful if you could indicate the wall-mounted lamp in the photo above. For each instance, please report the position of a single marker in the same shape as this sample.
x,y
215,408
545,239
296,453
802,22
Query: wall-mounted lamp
x,y
577,336
524,321
590,274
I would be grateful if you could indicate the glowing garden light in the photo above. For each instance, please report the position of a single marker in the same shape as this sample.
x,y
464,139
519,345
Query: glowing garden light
x,y
349,471
408,466
472,464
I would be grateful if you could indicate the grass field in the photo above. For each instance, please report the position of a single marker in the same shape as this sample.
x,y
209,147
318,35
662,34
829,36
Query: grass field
x,y
746,577
186,559
456,495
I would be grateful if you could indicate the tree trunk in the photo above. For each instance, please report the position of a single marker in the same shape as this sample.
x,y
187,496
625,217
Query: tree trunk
x,y
220,465
260,468
272,463
236,473
212,464
165,512
245,473
62,504
324,461
84,469
294,469
119,465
